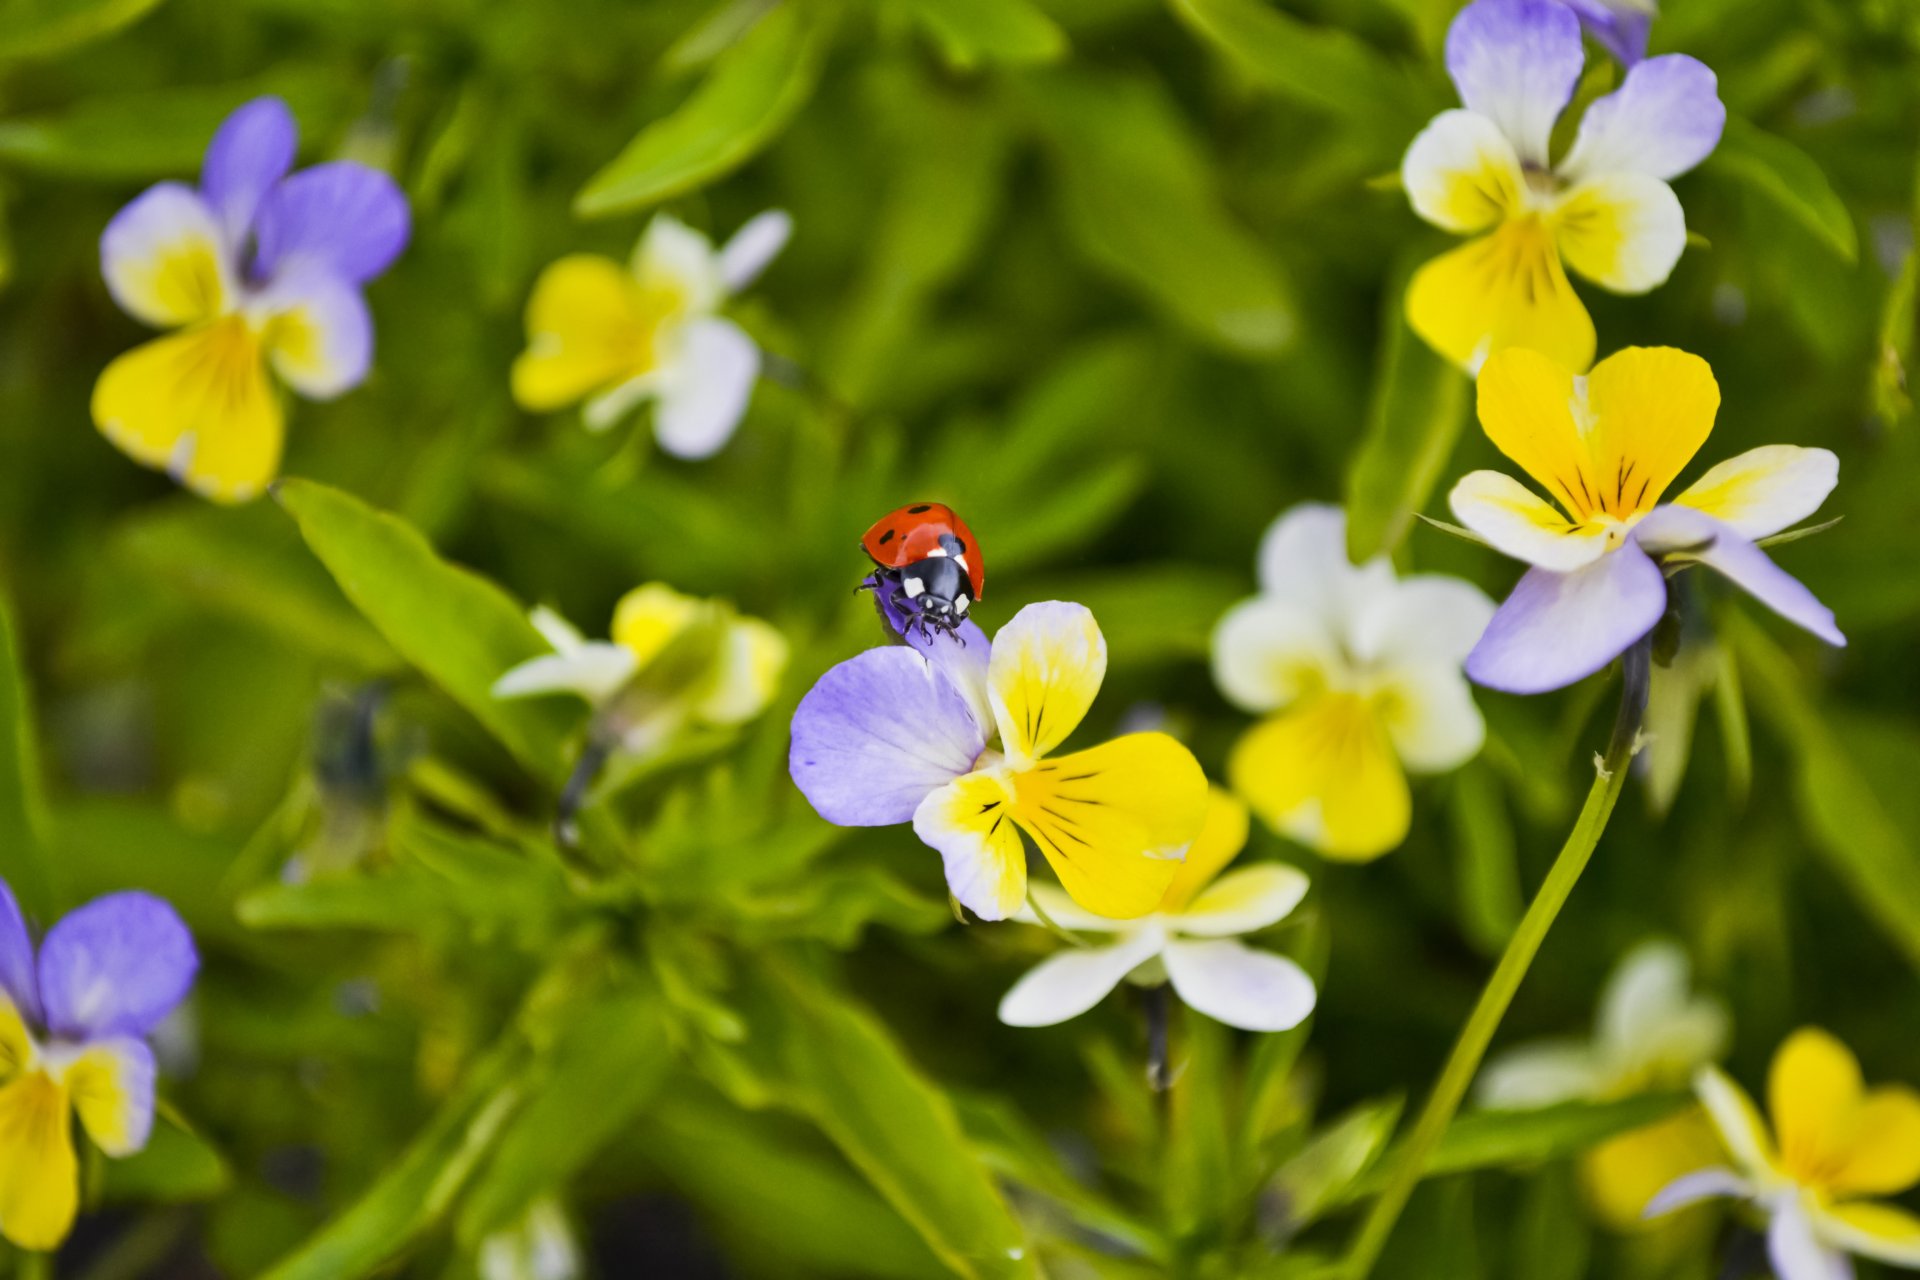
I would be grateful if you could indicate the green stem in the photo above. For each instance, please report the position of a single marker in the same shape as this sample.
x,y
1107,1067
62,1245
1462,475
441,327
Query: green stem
x,y
1464,1063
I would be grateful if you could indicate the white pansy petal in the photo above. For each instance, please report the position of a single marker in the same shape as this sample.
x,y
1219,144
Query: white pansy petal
x,y
705,394
1764,490
1268,651
1303,560
1543,1074
1520,523
674,258
320,335
1461,173
1068,914
555,629
164,259
1882,1232
111,1084
969,824
1424,617
1691,1188
1046,666
1736,1120
753,658
1651,1022
1068,984
1243,901
753,246
1517,62
1234,984
1665,118
1624,231
1798,1254
1429,711
595,671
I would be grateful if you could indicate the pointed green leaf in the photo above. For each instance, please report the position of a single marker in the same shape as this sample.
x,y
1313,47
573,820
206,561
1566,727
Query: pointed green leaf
x,y
1790,179
971,32
40,28
23,817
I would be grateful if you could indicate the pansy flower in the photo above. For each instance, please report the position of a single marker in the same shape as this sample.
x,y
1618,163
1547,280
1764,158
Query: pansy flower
x,y
1606,447
616,336
1604,209
1834,1146
1190,941
260,273
1620,26
1357,673
73,1026
893,735
1651,1034
729,686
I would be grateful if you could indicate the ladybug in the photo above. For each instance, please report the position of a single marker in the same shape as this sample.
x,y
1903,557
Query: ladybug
x,y
929,566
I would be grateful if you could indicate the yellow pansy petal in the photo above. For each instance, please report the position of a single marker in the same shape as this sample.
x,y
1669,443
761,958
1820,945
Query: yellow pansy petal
x,y
969,822
1046,667
1112,820
1461,173
1505,289
16,1044
1622,1175
1883,1156
1652,408
1325,774
112,1088
1515,521
586,332
163,260
1736,1119
1624,231
39,1176
199,405
1879,1231
649,617
1243,901
1764,490
1222,836
1813,1091
1530,407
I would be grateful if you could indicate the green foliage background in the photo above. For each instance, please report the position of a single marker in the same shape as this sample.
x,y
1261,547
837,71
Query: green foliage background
x,y
1117,278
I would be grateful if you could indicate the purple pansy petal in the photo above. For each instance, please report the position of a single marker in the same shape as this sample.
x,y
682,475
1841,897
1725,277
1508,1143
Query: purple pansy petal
x,y
1621,28
252,150
1557,628
1715,544
962,657
877,734
1517,62
321,338
115,967
1666,118
16,957
342,217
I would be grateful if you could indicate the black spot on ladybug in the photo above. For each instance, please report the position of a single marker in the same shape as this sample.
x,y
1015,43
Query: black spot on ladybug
x,y
914,511
886,537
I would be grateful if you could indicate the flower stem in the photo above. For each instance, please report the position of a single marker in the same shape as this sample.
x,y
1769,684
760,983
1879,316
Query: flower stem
x,y
1471,1047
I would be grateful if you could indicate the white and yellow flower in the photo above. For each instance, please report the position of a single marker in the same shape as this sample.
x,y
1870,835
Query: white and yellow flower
x,y
1651,1034
1835,1146
616,336
1357,673
1188,941
1604,209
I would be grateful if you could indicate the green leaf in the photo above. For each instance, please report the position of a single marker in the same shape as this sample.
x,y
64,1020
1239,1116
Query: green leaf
x,y
1419,404
456,627
971,32
23,810
175,1167
1790,179
1138,196
1334,1158
40,28
606,1065
1321,66
1489,860
896,1127
1197,1173
753,90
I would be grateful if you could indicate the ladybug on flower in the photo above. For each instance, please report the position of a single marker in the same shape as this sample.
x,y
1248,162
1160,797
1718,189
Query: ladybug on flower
x,y
929,568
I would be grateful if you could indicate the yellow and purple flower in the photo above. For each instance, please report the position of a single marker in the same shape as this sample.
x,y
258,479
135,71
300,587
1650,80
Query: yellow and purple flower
x,y
901,734
618,336
260,271
73,1025
1604,209
1834,1146
1190,941
1606,446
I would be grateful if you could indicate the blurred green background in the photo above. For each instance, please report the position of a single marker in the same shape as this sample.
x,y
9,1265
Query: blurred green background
x,y
1119,279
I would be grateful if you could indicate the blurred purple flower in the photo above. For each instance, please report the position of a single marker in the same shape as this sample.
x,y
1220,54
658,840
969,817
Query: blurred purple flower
x,y
1620,27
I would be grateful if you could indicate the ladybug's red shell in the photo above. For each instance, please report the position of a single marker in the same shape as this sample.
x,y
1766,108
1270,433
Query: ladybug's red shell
x,y
913,533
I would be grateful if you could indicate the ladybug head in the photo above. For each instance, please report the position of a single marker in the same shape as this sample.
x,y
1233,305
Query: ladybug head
x,y
931,594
